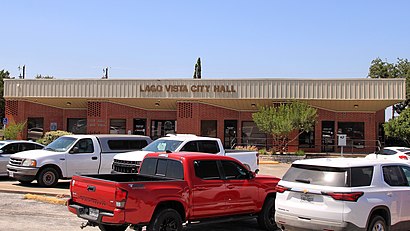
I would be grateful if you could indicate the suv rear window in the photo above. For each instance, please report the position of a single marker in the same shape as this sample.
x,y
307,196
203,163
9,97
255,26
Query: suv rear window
x,y
330,176
127,144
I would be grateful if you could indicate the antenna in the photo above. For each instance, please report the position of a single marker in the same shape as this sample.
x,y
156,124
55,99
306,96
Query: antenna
x,y
22,70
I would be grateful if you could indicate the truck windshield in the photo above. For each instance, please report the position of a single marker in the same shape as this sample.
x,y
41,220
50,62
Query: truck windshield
x,y
61,144
163,145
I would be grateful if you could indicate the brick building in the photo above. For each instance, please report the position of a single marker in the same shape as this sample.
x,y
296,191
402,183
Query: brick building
x,y
209,107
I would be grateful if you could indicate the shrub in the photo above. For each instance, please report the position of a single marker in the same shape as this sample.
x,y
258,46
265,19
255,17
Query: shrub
x,y
51,136
263,151
300,153
13,130
248,148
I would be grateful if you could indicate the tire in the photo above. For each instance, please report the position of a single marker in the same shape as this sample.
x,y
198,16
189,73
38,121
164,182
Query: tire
x,y
165,220
266,218
25,182
377,223
104,227
48,177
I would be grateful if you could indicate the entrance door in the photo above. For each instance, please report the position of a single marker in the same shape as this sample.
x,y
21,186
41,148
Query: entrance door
x,y
230,131
328,136
140,127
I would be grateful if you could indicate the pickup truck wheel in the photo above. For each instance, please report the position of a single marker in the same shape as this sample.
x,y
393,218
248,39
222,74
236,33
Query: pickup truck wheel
x,y
48,177
165,220
266,218
377,224
112,227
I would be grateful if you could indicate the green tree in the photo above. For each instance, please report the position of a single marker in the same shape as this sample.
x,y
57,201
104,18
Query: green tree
x,y
197,72
3,75
13,130
399,127
400,69
281,121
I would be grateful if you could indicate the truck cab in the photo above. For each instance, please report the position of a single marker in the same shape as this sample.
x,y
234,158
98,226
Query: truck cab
x,y
129,162
71,155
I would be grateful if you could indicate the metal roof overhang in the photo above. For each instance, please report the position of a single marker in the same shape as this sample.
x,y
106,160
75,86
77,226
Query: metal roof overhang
x,y
366,95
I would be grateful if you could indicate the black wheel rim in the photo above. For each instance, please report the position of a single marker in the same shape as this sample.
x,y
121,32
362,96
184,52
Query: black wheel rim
x,y
49,178
169,224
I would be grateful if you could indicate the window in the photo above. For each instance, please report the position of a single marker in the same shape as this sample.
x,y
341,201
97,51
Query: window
x,y
394,176
160,128
206,169
162,167
316,175
161,145
251,135
10,149
354,132
126,144
406,171
307,139
35,128
117,126
233,170
360,176
84,146
205,146
29,146
77,126
208,128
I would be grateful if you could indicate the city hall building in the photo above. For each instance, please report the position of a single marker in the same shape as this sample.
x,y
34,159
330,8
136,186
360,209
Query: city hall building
x,y
209,107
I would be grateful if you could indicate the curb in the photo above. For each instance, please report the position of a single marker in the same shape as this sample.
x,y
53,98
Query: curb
x,y
268,162
47,199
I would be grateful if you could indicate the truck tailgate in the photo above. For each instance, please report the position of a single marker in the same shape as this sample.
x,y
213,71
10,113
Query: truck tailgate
x,y
93,192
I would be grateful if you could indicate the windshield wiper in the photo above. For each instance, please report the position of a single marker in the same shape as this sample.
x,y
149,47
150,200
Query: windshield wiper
x,y
306,181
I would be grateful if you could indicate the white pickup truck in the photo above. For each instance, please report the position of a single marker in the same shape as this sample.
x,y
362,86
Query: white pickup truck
x,y
72,155
129,162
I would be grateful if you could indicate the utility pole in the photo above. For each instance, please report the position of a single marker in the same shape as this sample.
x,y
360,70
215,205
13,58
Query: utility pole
x,y
105,73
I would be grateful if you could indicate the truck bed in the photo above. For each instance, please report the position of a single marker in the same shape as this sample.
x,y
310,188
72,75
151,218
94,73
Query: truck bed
x,y
132,177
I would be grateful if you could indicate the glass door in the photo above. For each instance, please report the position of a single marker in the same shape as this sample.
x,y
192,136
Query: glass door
x,y
230,131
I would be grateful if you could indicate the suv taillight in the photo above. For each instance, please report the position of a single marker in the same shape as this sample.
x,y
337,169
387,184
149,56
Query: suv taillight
x,y
120,198
281,189
344,196
403,157
257,158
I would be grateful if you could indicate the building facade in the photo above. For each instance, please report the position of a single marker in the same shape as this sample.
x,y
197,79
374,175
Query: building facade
x,y
208,107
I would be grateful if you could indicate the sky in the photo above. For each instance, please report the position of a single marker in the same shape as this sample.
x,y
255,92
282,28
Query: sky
x,y
234,38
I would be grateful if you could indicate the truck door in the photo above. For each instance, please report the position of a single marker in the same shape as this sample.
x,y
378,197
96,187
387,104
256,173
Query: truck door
x,y
242,192
208,190
83,158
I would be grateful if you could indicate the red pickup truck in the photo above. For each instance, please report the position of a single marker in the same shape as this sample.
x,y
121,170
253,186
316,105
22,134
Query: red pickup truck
x,y
173,189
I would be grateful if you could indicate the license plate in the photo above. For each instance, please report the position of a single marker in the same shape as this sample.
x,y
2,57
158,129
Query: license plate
x,y
93,212
306,197
11,174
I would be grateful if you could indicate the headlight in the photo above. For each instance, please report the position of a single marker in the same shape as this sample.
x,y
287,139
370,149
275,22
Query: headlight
x,y
29,163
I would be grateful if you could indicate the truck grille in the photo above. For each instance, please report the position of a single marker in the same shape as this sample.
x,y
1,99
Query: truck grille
x,y
15,161
125,166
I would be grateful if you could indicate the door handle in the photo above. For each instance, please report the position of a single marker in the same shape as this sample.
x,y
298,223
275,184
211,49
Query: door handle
x,y
200,188
389,194
229,186
94,158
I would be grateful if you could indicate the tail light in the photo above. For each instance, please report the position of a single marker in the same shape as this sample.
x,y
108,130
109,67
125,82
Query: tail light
x,y
281,189
403,157
257,158
342,196
120,198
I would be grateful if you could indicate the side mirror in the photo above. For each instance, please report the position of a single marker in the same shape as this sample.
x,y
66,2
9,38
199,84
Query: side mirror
x,y
251,175
74,150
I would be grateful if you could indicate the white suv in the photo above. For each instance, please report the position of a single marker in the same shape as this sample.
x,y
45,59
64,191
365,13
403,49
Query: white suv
x,y
344,194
